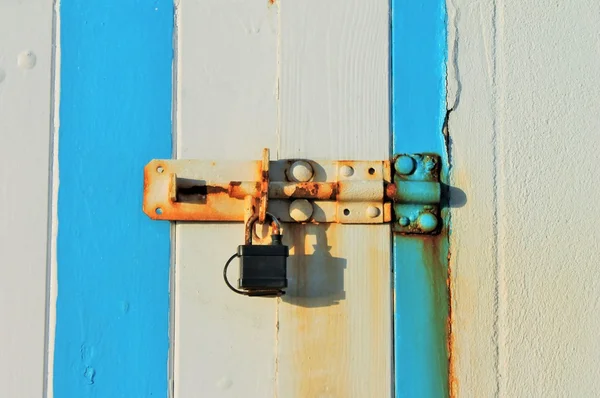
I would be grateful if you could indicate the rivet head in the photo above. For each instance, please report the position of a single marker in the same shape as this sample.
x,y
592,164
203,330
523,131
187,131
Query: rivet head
x,y
427,222
404,221
405,165
346,171
373,211
300,171
301,210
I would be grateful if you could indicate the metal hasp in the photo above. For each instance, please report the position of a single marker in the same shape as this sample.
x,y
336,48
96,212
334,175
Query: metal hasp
x,y
299,190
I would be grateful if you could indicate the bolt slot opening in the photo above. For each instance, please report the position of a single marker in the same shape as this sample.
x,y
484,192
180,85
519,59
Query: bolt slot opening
x,y
346,212
158,211
371,171
160,169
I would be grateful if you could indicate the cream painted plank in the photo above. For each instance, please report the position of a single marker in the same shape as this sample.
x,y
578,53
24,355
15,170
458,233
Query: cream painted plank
x,y
473,243
335,324
25,128
226,109
525,144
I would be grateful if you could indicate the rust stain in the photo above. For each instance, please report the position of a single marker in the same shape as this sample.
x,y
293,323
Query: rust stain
x,y
452,377
380,306
239,189
334,191
315,190
264,195
390,191
305,189
313,331
435,258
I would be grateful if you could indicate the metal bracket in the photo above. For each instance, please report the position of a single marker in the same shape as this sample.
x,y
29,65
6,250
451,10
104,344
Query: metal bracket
x,y
297,190
416,194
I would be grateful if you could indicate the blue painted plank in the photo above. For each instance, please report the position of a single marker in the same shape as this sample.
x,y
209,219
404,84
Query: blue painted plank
x,y
113,262
419,53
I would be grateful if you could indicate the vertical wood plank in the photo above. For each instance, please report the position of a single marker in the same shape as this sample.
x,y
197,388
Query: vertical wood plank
x,y
419,54
226,109
473,126
334,336
25,125
113,261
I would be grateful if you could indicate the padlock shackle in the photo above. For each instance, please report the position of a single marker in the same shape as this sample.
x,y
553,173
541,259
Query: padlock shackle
x,y
275,224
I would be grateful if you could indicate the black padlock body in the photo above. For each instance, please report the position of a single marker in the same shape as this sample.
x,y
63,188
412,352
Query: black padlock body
x,y
263,267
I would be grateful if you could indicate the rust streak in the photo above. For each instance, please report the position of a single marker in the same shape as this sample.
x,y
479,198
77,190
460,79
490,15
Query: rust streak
x,y
452,377
436,262
307,189
146,181
314,319
315,190
334,191
239,189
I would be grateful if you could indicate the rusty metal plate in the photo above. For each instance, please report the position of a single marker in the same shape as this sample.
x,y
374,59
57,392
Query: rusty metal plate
x,y
347,192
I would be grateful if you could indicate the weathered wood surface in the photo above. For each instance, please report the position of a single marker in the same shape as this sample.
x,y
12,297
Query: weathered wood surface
x,y
305,84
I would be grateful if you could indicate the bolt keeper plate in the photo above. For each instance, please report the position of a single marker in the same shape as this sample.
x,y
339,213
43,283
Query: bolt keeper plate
x,y
347,192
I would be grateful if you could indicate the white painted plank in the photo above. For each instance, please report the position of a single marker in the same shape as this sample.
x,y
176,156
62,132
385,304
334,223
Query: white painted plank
x,y
473,242
525,147
334,337
226,109
25,128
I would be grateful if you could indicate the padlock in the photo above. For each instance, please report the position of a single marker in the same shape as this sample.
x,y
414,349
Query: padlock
x,y
263,268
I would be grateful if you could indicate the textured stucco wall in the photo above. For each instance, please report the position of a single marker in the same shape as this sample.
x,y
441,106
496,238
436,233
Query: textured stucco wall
x,y
524,95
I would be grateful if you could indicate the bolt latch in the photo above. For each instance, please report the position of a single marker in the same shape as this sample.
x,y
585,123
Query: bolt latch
x,y
405,191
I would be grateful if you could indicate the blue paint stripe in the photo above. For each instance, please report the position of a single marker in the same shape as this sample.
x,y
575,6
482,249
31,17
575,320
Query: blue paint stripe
x,y
113,262
419,54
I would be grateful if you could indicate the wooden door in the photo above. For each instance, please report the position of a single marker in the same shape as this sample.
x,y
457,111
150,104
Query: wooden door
x,y
307,80
105,302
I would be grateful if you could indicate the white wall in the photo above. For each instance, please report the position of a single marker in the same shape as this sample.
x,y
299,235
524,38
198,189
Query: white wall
x,y
524,85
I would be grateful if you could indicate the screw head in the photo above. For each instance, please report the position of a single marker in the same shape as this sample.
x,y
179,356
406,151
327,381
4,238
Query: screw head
x,y
427,222
373,211
405,165
301,210
404,221
300,171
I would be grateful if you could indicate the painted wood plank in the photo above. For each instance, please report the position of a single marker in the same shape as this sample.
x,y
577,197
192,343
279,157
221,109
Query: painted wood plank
x,y
113,261
25,160
421,263
334,334
474,239
226,109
